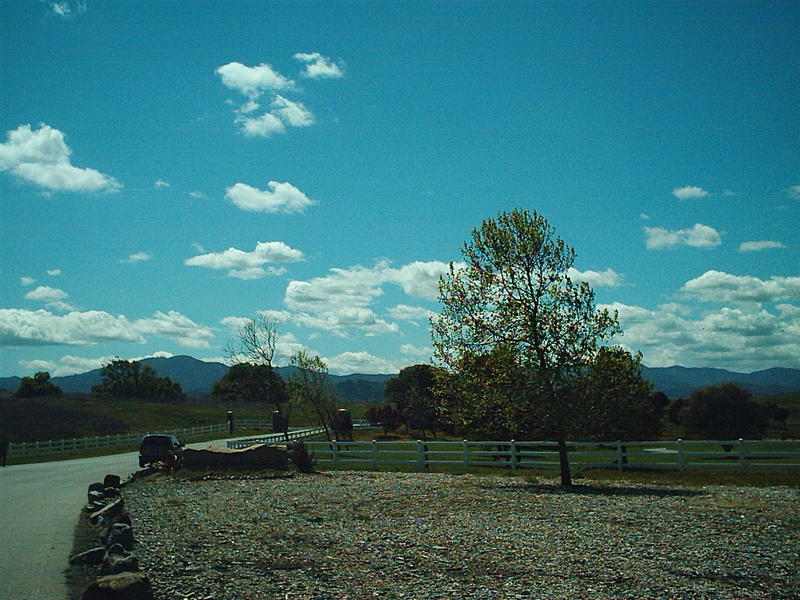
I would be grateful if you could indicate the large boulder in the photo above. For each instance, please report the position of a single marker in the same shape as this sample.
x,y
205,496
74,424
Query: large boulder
x,y
255,458
123,586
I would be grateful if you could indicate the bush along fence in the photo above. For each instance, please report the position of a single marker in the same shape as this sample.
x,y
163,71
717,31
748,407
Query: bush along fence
x,y
677,455
24,451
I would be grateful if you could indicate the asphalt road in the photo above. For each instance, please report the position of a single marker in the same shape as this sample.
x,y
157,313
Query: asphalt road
x,y
39,508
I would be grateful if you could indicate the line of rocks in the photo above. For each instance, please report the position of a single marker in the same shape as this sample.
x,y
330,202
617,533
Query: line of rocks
x,y
118,576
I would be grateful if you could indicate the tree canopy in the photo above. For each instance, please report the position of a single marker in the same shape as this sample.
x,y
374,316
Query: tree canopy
x,y
252,383
131,379
520,340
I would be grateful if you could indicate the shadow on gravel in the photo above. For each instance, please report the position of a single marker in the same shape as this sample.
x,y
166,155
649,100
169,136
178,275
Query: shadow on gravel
x,y
602,490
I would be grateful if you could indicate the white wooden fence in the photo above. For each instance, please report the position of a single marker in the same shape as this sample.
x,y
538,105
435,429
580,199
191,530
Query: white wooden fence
x,y
24,451
418,455
673,455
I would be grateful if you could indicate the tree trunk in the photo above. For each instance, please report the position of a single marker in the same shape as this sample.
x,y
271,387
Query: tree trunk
x,y
563,458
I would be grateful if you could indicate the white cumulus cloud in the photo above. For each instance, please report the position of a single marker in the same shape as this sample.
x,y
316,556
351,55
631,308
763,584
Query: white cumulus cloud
x,y
20,327
699,236
248,265
46,294
255,83
177,327
689,192
42,157
716,286
252,81
360,362
281,197
740,339
318,66
596,279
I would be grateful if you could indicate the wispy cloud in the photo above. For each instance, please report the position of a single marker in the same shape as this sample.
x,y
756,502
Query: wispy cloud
x,y
137,257
67,10
758,246
281,197
42,157
699,236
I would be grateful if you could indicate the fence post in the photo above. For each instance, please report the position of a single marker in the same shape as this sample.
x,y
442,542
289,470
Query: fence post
x,y
619,456
420,455
374,455
742,459
681,463
513,455
335,454
466,455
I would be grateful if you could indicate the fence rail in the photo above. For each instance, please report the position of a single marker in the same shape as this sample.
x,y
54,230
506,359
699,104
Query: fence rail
x,y
670,455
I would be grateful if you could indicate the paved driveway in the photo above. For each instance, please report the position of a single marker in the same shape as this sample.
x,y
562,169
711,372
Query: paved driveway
x,y
39,509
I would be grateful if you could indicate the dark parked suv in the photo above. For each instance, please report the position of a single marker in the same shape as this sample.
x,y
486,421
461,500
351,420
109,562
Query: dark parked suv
x,y
160,447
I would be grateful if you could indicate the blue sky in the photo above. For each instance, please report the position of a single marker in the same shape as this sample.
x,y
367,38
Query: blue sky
x,y
168,169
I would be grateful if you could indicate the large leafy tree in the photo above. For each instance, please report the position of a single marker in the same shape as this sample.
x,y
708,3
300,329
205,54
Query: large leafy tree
x,y
131,379
413,393
513,310
37,386
252,383
725,411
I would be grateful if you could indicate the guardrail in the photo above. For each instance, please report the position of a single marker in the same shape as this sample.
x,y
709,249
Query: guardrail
x,y
672,455
271,438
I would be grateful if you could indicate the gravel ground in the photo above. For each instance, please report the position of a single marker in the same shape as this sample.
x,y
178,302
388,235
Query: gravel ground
x,y
388,535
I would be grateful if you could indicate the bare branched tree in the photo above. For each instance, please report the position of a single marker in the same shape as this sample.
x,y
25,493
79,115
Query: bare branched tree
x,y
254,343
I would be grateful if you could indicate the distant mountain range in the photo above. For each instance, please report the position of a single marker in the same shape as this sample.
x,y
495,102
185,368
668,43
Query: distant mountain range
x,y
197,378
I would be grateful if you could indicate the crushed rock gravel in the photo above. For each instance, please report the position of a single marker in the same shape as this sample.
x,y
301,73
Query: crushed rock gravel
x,y
355,535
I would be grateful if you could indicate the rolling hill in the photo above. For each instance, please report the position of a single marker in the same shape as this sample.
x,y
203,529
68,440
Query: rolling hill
x,y
197,378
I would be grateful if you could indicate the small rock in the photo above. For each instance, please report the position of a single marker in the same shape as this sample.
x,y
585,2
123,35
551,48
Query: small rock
x,y
115,564
123,586
117,550
111,481
95,556
114,508
122,534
